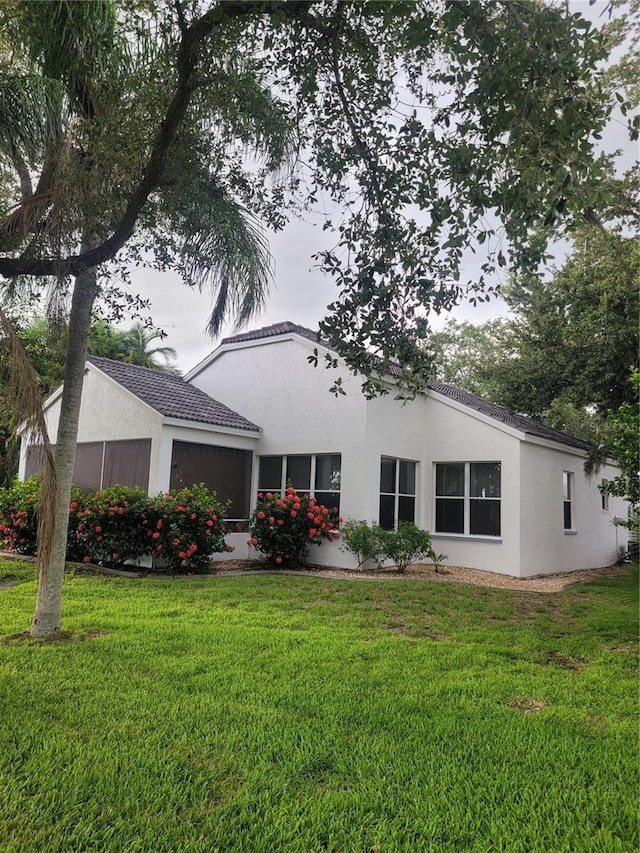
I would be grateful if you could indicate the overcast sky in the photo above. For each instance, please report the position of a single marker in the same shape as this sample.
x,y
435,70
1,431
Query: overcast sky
x,y
299,293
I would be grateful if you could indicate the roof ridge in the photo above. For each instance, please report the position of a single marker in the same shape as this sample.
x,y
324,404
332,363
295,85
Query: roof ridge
x,y
285,327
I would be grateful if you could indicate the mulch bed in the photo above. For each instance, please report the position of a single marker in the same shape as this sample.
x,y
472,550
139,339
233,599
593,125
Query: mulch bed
x,y
424,571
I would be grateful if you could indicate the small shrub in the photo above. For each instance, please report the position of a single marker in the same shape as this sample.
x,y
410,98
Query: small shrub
x,y
19,516
409,544
363,541
283,527
404,546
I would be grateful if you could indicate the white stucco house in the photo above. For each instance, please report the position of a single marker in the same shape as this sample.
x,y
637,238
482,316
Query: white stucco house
x,y
498,491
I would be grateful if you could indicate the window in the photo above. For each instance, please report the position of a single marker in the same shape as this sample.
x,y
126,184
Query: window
x,y
397,491
604,497
567,494
224,470
468,497
100,464
312,473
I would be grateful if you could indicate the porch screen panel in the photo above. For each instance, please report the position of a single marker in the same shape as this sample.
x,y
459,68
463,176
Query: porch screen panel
x,y
126,463
87,470
33,462
223,470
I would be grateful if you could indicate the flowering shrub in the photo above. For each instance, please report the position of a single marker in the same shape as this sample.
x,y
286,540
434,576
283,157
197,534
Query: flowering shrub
x,y
113,526
184,527
105,526
18,516
283,527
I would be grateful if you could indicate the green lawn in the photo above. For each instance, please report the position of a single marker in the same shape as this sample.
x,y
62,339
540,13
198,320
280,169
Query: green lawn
x,y
266,714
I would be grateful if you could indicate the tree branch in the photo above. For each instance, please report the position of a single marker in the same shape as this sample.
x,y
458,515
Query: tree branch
x,y
188,54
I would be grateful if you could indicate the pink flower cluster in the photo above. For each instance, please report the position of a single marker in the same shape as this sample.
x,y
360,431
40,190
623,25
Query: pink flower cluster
x,y
283,526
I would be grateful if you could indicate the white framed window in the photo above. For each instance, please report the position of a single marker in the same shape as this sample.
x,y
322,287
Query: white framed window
x,y
397,491
604,497
468,498
567,498
318,474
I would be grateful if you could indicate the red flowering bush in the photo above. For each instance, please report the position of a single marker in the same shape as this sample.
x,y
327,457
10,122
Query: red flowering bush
x,y
283,527
180,529
104,526
18,516
183,528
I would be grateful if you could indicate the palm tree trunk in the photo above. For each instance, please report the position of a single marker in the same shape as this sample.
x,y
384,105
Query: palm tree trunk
x,y
47,619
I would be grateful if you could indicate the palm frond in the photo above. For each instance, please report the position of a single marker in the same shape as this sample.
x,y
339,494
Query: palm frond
x,y
229,253
69,42
22,392
30,110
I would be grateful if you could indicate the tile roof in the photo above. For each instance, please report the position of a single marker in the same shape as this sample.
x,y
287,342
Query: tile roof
x,y
285,328
171,395
499,413
523,423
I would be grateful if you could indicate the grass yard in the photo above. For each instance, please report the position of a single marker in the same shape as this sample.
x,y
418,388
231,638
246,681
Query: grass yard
x,y
279,714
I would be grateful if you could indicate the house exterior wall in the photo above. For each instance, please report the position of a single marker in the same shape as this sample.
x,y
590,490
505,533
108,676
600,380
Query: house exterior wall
x,y
289,399
454,434
593,541
273,385
397,431
108,412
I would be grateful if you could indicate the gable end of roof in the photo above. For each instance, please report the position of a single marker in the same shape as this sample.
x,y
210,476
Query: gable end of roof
x,y
273,331
171,396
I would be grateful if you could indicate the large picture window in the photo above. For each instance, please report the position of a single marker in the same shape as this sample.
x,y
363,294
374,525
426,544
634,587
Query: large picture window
x,y
468,498
397,491
224,470
312,473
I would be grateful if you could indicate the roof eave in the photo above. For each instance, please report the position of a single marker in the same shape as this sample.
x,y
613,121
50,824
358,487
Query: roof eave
x,y
247,432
